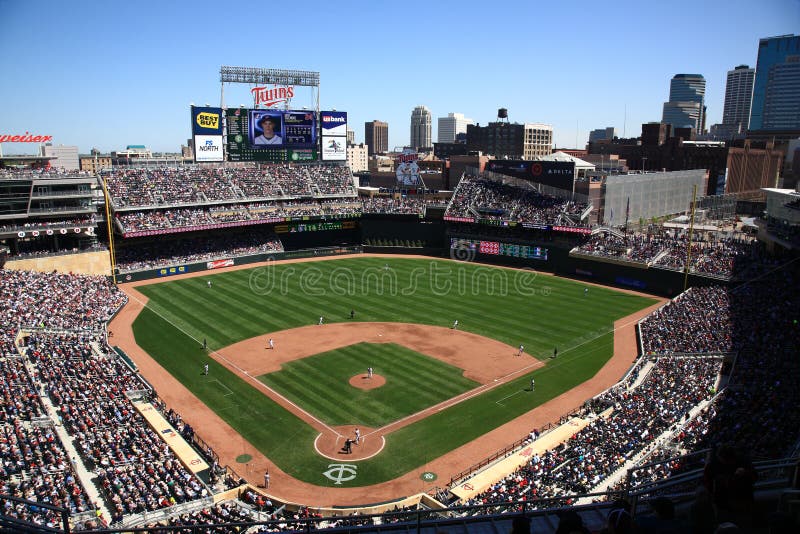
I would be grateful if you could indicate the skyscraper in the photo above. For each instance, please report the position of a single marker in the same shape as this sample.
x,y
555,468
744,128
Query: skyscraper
x,y
376,136
451,126
738,96
421,119
776,90
686,106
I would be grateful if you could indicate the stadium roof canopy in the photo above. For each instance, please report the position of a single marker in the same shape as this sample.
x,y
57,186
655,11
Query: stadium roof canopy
x,y
561,156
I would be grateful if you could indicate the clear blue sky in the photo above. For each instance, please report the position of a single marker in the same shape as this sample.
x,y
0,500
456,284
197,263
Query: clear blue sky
x,y
107,74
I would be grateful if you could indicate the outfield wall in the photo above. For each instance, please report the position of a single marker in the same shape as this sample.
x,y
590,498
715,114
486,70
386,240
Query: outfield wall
x,y
434,237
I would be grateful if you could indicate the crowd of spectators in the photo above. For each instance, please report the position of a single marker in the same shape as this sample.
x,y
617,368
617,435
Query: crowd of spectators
x,y
54,300
698,320
489,199
635,247
189,250
638,416
402,205
212,519
136,470
253,213
722,255
197,185
757,412
35,465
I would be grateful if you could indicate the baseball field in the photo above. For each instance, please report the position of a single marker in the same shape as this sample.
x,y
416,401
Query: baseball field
x,y
435,388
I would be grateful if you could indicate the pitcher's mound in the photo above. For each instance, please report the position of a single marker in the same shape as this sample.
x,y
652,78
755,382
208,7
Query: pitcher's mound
x,y
362,382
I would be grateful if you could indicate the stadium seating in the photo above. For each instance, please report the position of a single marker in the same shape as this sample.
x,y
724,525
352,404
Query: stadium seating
x,y
717,255
488,199
202,185
640,414
181,251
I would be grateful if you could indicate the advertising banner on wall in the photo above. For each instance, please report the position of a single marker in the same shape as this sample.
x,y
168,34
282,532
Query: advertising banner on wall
x,y
207,133
333,126
208,148
558,174
206,121
334,148
334,123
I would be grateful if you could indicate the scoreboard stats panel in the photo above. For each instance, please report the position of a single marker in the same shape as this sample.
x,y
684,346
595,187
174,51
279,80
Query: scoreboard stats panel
x,y
315,226
499,248
296,135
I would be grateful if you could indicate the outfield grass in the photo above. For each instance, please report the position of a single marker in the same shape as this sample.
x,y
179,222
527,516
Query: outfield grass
x,y
413,382
540,313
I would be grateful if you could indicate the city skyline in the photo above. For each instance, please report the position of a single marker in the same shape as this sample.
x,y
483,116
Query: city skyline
x,y
107,77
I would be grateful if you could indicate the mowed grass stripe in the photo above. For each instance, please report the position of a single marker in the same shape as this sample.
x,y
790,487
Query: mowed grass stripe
x,y
403,394
229,319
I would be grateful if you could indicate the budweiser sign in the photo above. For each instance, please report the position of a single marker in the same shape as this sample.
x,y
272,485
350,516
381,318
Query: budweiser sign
x,y
27,138
268,97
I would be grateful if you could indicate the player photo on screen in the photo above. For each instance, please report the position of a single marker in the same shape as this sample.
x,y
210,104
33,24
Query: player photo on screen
x,y
266,129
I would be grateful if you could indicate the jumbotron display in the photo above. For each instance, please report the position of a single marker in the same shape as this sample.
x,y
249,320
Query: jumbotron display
x,y
498,248
271,135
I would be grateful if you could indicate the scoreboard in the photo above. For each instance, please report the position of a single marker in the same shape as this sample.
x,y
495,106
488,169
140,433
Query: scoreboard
x,y
499,248
295,135
314,226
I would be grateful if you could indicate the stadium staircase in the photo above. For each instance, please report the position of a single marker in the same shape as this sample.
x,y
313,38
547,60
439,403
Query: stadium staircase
x,y
643,372
608,230
585,213
658,256
238,192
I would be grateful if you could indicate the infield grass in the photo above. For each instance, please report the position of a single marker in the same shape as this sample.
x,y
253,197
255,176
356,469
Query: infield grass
x,y
516,307
413,382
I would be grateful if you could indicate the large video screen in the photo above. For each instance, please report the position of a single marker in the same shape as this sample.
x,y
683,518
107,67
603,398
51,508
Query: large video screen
x,y
271,135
